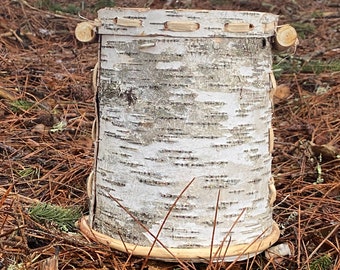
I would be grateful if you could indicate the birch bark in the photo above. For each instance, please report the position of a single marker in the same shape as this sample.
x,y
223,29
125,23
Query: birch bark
x,y
174,105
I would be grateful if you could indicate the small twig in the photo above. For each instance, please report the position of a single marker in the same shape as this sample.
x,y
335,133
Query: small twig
x,y
214,228
12,230
145,228
10,33
282,201
24,2
323,241
164,221
7,34
306,253
18,196
219,250
299,238
244,251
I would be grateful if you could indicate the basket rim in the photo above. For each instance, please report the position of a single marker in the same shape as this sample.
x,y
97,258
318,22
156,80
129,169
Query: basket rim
x,y
230,253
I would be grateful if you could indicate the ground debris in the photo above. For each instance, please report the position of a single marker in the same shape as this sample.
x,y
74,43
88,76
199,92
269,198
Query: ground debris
x,y
46,150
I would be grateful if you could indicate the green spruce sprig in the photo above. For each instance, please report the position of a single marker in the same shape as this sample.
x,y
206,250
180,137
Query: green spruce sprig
x,y
322,263
63,218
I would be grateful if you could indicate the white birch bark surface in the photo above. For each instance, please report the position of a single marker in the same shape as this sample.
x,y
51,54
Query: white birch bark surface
x,y
183,95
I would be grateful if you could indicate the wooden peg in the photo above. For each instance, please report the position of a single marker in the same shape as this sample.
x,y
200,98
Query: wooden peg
x,y
85,31
285,37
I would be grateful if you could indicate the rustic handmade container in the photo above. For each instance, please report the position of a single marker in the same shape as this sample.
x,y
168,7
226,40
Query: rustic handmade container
x,y
183,135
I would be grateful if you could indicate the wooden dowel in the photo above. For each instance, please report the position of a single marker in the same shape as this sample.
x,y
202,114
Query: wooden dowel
x,y
128,22
285,37
85,31
181,26
238,27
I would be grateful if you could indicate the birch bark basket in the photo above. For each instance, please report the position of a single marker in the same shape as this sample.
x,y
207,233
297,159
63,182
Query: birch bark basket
x,y
182,95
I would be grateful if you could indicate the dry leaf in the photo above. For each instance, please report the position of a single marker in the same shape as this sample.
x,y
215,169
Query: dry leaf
x,y
40,128
50,263
277,252
8,94
326,151
280,93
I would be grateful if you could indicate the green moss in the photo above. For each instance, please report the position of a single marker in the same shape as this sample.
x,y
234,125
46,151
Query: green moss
x,y
317,14
218,2
303,29
291,64
53,6
74,7
48,4
285,64
71,8
319,66
104,3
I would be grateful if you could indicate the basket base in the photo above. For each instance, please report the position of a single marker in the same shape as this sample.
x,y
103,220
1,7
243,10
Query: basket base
x,y
228,253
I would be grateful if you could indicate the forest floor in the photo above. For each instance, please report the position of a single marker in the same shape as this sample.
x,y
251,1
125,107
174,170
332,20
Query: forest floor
x,y
46,147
